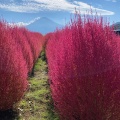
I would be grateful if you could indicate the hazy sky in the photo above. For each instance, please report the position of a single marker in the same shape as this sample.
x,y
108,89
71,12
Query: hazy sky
x,y
27,11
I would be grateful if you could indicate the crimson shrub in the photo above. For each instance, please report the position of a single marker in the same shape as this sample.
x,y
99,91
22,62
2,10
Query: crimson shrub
x,y
21,40
13,70
84,70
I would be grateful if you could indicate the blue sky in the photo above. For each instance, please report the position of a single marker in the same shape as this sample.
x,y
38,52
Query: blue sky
x,y
28,11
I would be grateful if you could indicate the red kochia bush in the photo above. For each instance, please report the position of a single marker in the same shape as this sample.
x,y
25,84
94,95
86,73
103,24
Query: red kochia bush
x,y
21,40
35,41
30,44
84,70
13,70
45,39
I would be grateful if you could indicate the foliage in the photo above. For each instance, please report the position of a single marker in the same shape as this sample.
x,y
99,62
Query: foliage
x,y
84,72
13,70
37,103
19,50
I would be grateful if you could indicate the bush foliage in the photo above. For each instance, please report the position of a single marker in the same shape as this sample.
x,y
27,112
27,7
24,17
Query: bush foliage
x,y
84,70
17,57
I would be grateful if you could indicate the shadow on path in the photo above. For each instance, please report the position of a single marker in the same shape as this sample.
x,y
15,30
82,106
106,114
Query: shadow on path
x,y
8,115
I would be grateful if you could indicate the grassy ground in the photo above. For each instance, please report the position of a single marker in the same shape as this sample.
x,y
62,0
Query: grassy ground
x,y
37,103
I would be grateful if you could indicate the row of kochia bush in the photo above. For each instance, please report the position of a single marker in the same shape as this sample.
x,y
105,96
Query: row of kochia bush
x,y
84,70
19,50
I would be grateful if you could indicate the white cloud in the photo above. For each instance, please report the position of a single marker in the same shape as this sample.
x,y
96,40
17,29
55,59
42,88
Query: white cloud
x,y
31,6
25,7
22,24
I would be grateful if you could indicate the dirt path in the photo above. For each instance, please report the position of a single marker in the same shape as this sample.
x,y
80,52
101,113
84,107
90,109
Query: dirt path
x,y
36,103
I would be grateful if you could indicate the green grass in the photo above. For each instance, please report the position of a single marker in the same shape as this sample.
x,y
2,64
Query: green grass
x,y
37,103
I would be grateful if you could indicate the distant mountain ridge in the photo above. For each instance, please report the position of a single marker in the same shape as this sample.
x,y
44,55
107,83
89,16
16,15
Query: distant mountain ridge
x,y
44,25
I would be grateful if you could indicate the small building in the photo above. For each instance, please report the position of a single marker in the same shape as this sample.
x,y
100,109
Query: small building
x,y
117,31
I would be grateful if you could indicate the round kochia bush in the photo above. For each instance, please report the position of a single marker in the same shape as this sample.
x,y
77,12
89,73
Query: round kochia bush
x,y
84,70
21,40
13,70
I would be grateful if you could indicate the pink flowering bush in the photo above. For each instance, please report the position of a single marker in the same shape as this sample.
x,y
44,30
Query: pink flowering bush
x,y
30,42
84,70
35,41
21,40
19,49
46,38
13,70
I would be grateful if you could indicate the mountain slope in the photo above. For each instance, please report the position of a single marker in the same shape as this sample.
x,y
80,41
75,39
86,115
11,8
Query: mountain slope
x,y
44,25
